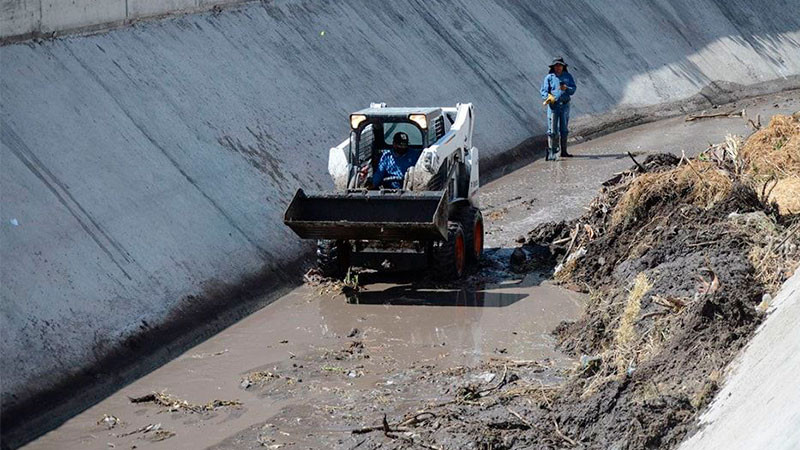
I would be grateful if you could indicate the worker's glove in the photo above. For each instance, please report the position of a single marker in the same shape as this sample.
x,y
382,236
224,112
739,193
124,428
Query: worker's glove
x,y
550,100
362,173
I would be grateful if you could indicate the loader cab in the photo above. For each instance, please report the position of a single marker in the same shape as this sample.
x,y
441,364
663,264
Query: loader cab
x,y
373,130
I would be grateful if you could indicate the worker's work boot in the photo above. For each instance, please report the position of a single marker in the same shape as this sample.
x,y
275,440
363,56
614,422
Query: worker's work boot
x,y
551,149
563,147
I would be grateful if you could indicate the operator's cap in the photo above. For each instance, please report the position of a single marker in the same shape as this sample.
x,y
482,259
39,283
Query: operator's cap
x,y
558,60
400,138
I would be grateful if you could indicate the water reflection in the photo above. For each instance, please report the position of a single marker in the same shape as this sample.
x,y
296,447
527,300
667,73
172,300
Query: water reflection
x,y
411,295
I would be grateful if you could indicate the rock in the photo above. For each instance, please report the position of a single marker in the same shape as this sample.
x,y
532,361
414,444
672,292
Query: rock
x,y
485,377
766,300
541,255
353,333
520,239
591,364
517,261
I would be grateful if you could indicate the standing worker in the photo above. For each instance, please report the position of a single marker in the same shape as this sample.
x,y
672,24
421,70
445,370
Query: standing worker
x,y
557,89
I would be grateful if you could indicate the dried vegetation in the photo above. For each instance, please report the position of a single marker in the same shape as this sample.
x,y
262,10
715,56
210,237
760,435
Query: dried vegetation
x,y
680,256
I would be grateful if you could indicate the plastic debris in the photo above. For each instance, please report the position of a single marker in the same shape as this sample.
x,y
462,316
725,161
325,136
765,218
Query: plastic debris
x,y
109,421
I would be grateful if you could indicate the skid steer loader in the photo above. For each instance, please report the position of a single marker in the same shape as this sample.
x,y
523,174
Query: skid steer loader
x,y
432,221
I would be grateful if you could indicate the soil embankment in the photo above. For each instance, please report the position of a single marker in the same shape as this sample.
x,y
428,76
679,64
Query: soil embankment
x,y
681,258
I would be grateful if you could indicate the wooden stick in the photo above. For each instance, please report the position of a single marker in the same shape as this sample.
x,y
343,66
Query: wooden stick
x,y
691,117
498,385
572,242
518,416
693,169
788,235
637,162
653,314
562,436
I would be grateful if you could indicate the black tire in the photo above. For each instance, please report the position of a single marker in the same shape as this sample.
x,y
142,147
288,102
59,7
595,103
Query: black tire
x,y
471,221
449,257
333,258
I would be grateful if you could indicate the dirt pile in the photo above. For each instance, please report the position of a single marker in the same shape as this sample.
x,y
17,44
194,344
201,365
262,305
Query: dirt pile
x,y
772,158
680,257
681,260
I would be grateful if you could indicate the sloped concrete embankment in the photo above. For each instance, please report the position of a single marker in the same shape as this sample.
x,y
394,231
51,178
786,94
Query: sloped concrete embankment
x,y
145,170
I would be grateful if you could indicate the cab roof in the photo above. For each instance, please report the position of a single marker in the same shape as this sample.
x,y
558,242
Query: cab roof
x,y
430,112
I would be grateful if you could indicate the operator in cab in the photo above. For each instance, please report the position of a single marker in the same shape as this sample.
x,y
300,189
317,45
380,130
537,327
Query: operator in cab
x,y
394,163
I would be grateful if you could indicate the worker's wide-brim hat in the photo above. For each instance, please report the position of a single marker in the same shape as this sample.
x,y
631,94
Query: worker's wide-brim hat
x,y
558,60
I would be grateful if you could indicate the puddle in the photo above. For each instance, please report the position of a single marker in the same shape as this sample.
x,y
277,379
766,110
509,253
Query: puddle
x,y
400,326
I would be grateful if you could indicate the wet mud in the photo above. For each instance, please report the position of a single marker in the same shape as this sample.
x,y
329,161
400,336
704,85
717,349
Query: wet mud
x,y
680,257
314,360
490,363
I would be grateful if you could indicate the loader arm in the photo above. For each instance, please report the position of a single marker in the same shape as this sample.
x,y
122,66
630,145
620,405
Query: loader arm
x,y
339,166
445,154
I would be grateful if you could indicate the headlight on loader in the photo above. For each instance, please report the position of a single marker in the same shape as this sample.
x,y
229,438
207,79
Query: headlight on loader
x,y
420,120
356,119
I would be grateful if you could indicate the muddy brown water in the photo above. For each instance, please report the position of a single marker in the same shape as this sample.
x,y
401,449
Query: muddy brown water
x,y
399,327
400,323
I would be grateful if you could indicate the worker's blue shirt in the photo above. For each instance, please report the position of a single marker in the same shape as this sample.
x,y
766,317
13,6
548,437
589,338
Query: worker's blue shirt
x,y
394,165
552,85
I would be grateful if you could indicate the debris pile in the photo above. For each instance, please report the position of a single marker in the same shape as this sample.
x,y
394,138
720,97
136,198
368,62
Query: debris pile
x,y
172,403
680,257
151,432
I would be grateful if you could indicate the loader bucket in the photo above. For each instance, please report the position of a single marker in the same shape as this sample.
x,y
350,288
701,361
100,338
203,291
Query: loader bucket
x,y
369,215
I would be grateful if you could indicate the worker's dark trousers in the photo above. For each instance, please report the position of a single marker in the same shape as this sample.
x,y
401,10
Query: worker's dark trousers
x,y
557,126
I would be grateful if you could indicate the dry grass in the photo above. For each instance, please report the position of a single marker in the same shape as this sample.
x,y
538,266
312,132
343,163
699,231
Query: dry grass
x,y
625,335
771,160
774,151
786,194
624,351
632,337
565,272
777,256
699,183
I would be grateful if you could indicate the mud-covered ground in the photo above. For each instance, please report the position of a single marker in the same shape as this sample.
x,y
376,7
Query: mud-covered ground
x,y
407,363
681,257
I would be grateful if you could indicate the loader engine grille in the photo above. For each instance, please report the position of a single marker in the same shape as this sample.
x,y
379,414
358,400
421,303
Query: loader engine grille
x,y
365,144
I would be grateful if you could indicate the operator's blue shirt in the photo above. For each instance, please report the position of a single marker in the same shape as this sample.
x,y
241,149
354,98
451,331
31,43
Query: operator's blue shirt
x,y
394,165
551,85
